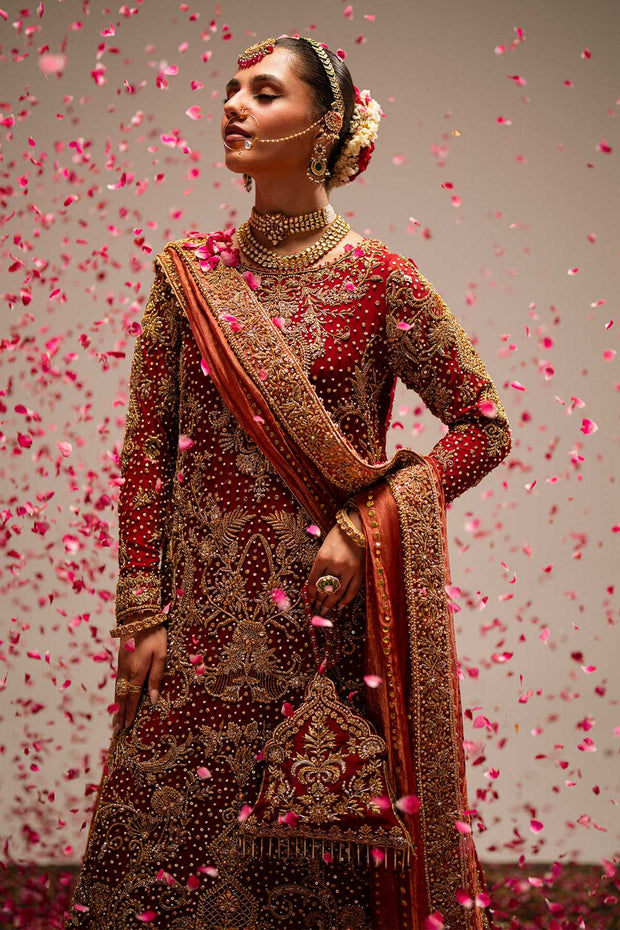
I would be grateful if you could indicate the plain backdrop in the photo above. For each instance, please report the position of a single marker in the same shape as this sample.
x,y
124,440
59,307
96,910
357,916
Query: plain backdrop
x,y
493,172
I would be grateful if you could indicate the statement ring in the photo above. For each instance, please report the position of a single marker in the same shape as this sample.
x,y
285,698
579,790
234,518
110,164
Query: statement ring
x,y
327,584
123,687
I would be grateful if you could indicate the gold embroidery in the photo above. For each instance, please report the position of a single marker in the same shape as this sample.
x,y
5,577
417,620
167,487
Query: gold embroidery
x,y
226,544
258,344
250,664
325,744
434,699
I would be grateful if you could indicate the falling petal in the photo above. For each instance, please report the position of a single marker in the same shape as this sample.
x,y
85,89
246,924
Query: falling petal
x,y
588,427
281,599
244,813
321,621
408,804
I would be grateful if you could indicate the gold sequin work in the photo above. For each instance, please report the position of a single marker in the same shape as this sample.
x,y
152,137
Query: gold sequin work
x,y
208,527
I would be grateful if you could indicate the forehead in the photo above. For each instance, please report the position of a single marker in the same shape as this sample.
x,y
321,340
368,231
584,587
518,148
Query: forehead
x,y
280,64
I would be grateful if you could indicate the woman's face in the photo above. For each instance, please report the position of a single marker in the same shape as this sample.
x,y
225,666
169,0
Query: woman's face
x,y
282,103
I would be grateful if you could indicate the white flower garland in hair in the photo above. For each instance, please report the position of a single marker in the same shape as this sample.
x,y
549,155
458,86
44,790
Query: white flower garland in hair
x,y
363,131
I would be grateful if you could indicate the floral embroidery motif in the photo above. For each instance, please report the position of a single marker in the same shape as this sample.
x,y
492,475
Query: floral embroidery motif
x,y
211,529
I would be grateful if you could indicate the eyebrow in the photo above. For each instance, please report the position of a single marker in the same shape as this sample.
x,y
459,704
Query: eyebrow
x,y
233,84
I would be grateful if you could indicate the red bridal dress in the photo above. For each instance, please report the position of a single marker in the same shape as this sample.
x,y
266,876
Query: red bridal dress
x,y
210,528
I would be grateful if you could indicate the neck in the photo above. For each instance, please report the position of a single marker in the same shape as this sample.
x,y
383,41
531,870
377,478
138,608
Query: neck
x,y
281,195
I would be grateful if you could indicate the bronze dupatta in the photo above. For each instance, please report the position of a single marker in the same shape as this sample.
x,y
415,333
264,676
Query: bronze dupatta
x,y
410,634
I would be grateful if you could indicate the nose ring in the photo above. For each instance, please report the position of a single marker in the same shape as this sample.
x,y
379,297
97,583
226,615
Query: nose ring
x,y
245,113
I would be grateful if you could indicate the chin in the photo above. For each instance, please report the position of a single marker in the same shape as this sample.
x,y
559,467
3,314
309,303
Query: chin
x,y
237,165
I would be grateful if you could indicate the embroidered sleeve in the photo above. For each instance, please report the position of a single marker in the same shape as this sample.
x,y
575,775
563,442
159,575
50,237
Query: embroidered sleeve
x,y
431,353
149,454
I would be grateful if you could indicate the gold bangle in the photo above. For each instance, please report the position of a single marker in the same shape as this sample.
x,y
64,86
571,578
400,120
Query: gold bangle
x,y
138,626
348,527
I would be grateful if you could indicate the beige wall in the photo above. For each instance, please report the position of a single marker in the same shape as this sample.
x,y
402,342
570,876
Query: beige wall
x,y
531,192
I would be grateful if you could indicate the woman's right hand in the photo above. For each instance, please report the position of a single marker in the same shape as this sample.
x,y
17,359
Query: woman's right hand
x,y
147,659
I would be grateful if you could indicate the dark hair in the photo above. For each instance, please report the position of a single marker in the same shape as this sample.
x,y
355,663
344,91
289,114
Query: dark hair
x,y
313,73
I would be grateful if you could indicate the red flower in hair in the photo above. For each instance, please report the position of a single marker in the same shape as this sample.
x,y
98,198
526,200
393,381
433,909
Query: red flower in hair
x,y
365,156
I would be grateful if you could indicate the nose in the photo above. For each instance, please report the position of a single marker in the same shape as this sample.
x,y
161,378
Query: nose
x,y
234,107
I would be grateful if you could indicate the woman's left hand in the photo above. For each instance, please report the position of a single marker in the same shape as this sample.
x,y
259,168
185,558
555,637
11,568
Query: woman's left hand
x,y
340,556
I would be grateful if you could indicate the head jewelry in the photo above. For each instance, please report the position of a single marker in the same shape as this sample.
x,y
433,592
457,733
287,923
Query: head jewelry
x,y
334,117
362,130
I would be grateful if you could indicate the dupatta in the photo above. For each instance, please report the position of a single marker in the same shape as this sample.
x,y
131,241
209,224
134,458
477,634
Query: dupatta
x,y
409,638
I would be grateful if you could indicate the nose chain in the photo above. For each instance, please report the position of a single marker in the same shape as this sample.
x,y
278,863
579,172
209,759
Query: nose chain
x,y
294,135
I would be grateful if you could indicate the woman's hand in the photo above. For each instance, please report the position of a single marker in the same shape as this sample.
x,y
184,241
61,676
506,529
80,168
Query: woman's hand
x,y
148,658
340,556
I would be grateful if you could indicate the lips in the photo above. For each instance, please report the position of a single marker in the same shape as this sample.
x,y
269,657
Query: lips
x,y
233,129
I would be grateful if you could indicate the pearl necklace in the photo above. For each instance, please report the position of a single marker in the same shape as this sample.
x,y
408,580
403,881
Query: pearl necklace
x,y
297,260
278,226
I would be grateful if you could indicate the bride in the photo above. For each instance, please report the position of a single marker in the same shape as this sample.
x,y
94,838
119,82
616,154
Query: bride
x,y
264,534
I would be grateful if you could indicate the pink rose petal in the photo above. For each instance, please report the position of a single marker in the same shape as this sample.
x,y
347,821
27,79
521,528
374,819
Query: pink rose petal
x,y
588,426
408,804
244,813
317,620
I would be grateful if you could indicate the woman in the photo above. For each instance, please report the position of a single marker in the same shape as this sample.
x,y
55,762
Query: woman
x,y
256,494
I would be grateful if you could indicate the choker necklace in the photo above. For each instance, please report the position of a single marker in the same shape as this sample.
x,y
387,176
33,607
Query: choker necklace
x,y
277,226
296,261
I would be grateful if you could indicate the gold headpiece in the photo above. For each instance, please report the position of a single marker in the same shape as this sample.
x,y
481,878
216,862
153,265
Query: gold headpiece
x,y
334,116
256,53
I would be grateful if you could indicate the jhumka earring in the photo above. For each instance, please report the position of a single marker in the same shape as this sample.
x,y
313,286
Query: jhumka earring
x,y
247,182
317,169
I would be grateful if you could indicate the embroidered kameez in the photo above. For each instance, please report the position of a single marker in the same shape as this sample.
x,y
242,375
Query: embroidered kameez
x,y
210,528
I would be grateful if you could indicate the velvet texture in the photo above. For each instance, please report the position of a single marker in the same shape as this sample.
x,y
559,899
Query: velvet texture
x,y
409,634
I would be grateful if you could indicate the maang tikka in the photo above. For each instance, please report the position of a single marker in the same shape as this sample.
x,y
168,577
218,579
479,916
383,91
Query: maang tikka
x,y
256,53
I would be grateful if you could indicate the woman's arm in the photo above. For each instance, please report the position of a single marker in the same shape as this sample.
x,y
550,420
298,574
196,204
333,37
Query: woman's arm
x,y
431,353
149,455
147,466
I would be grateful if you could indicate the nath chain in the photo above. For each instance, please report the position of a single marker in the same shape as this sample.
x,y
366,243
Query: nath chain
x,y
293,135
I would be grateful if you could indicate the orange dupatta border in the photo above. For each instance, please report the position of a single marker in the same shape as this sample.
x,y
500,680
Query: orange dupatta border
x,y
410,633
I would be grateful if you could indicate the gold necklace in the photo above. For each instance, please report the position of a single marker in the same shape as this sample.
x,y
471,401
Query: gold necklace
x,y
277,226
297,260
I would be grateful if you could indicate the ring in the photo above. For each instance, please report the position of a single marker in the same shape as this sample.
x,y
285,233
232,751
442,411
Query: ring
x,y
123,687
248,142
327,584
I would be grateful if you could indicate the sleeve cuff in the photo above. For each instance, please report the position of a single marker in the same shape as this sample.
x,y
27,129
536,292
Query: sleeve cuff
x,y
137,592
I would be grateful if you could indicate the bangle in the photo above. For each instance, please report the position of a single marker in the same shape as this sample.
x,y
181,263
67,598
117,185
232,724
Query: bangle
x,y
348,527
138,626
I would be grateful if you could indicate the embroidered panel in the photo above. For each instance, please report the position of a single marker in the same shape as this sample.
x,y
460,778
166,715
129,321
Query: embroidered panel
x,y
210,527
435,703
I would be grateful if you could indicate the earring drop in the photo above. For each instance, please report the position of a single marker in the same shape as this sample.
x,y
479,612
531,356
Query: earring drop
x,y
317,169
247,182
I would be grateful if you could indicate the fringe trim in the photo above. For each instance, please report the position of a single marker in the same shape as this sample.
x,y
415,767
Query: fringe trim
x,y
261,847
